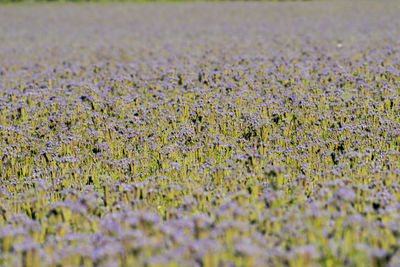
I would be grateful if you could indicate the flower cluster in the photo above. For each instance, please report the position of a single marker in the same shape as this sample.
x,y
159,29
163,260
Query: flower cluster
x,y
257,134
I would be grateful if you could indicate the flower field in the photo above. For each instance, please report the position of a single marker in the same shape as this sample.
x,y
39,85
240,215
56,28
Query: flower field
x,y
200,134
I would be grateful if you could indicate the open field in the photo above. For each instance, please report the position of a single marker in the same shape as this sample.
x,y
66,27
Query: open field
x,y
128,1
200,134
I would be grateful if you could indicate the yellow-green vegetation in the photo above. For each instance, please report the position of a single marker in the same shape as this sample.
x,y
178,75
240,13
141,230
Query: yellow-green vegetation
x,y
237,134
